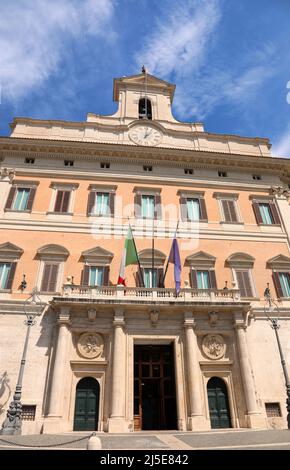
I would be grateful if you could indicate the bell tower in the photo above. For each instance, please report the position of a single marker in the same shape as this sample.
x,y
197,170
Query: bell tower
x,y
143,96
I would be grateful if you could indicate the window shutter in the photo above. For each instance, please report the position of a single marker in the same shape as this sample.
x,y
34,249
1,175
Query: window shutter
x,y
277,284
212,279
233,211
30,199
227,215
183,209
11,276
58,201
257,213
193,279
157,207
202,208
139,278
112,204
138,206
10,197
45,277
274,212
91,202
159,277
244,283
85,276
65,201
106,276
53,278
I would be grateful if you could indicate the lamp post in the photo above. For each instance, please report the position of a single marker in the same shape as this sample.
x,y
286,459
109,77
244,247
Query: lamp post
x,y
275,325
12,423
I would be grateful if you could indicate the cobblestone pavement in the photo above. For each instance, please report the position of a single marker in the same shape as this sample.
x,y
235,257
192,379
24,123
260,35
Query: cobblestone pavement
x,y
230,439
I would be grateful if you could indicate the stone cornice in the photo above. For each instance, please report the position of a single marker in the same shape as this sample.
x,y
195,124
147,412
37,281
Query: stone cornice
x,y
83,150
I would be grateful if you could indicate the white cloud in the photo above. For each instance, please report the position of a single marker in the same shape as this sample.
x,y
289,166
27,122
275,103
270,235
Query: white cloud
x,y
281,148
185,47
179,43
33,37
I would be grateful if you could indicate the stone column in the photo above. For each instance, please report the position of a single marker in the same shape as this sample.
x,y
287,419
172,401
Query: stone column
x,y
117,422
55,409
254,417
6,178
196,418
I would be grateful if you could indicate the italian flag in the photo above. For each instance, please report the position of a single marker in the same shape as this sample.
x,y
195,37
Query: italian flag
x,y
129,256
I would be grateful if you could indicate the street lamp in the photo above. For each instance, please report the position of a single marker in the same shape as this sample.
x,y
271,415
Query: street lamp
x,y
13,421
275,325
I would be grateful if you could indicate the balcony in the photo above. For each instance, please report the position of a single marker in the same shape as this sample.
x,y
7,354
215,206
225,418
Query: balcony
x,y
130,295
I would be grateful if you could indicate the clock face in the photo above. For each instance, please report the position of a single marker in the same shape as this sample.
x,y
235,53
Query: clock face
x,y
145,135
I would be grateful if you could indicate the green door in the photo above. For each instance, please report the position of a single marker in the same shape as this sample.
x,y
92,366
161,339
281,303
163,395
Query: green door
x,y
87,405
218,403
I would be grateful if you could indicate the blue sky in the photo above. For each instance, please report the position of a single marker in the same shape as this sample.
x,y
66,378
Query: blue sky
x,y
230,60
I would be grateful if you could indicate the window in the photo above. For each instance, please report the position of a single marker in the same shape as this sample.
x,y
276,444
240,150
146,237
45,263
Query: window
x,y
244,283
282,283
266,213
62,201
68,163
148,206
29,161
7,271
273,410
150,277
257,177
28,412
203,279
188,171
222,174
20,199
49,277
147,168
95,276
101,203
145,109
229,210
105,165
193,207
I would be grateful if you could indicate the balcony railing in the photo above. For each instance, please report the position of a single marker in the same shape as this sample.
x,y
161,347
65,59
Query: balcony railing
x,y
137,294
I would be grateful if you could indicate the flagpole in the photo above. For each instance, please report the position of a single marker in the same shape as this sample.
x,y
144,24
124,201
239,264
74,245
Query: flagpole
x,y
139,265
153,251
166,269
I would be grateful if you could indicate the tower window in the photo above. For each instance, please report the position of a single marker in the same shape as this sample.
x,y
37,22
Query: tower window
x,y
222,174
145,109
188,171
68,163
257,177
30,161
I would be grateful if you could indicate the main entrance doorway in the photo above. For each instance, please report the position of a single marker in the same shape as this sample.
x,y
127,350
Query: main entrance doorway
x,y
87,405
154,388
218,403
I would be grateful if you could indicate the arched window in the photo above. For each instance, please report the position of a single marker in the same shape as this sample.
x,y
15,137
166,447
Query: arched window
x,y
145,109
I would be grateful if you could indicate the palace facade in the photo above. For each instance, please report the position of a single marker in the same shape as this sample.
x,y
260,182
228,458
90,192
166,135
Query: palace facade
x,y
142,357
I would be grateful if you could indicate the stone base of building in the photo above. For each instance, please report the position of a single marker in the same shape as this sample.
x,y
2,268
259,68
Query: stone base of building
x,y
256,421
116,425
53,425
198,423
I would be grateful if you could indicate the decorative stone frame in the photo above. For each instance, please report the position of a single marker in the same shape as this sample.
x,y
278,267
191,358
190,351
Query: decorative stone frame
x,y
51,253
58,186
230,197
10,252
145,258
242,262
97,256
223,371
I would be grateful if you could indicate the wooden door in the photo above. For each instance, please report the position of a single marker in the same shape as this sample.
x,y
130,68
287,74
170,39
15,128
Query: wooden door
x,y
87,405
218,403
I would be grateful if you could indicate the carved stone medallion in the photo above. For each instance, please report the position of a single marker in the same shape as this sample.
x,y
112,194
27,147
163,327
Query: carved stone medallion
x,y
90,345
214,346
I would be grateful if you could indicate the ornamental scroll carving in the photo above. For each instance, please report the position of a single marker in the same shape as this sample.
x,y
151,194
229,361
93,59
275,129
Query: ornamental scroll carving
x,y
90,345
214,346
